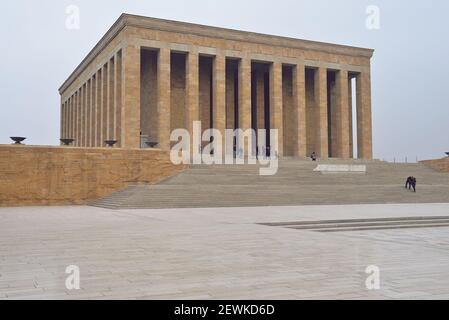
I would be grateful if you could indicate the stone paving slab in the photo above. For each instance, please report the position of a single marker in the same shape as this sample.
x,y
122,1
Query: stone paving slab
x,y
219,253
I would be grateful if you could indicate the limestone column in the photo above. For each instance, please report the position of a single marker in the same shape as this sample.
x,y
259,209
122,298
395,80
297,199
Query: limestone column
x,y
92,113
75,117
219,96
93,110
93,106
64,126
99,103
118,98
80,117
164,98
351,135
276,117
84,116
111,100
321,113
192,91
299,101
69,117
364,126
61,121
244,96
88,112
131,97
342,114
104,108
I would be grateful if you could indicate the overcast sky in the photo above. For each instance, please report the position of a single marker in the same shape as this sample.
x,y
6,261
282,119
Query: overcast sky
x,y
410,67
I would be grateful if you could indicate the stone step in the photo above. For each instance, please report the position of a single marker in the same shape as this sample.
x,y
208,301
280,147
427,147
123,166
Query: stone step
x,y
364,224
436,225
295,184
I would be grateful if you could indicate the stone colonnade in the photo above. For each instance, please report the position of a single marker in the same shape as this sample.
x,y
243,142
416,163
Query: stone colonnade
x,y
93,113
151,91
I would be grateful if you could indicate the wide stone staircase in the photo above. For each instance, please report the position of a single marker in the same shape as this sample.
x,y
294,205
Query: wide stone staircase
x,y
296,183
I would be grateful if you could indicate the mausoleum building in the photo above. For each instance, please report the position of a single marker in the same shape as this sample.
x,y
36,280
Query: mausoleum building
x,y
147,77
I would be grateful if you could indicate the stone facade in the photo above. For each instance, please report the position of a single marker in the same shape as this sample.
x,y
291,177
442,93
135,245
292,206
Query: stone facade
x,y
148,76
68,175
441,165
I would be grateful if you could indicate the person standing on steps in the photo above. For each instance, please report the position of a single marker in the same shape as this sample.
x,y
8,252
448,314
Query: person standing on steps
x,y
408,183
313,156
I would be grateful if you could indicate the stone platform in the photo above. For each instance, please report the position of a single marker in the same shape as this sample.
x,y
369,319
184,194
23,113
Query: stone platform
x,y
296,183
221,253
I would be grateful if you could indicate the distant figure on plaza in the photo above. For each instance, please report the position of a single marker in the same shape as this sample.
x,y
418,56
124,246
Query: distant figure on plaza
x,y
313,156
411,183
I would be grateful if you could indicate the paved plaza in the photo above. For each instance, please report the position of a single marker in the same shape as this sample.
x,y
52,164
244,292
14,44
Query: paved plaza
x,y
221,253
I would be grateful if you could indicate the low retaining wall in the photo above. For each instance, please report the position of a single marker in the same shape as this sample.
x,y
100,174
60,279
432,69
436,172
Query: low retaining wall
x,y
35,175
441,165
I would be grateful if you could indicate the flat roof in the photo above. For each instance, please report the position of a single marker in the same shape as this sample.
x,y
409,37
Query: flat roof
x,y
209,31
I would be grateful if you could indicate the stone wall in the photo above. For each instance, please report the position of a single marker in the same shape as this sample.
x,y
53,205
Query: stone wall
x,y
34,175
441,165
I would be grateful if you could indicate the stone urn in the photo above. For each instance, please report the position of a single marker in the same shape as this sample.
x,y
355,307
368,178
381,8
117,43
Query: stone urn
x,y
110,143
18,140
67,142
